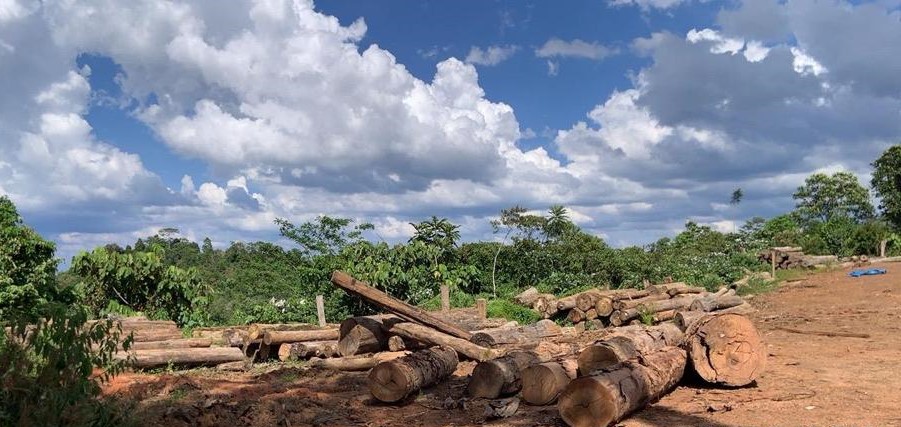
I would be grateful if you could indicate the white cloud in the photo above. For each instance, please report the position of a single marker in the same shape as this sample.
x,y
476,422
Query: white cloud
x,y
557,48
491,55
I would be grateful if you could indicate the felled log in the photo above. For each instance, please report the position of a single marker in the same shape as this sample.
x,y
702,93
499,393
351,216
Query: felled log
x,y
543,382
355,363
306,350
176,343
725,348
364,334
527,297
182,356
278,337
431,336
407,311
394,380
607,396
500,377
523,334
621,317
716,303
627,343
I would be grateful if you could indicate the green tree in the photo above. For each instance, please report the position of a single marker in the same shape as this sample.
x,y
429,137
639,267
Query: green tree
x,y
823,197
886,184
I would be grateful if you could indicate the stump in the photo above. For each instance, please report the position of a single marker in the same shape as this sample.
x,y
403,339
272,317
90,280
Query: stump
x,y
395,380
725,349
500,377
608,396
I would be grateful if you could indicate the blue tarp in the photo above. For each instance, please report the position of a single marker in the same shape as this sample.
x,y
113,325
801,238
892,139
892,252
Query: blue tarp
x,y
868,272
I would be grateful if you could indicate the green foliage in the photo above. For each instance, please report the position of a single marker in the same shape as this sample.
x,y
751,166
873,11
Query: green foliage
x,y
823,197
886,184
143,283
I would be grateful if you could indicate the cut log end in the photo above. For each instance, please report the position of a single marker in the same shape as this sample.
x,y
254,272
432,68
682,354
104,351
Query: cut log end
x,y
726,349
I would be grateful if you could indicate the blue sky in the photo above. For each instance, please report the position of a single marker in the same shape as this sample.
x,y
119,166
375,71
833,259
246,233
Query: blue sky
x,y
123,118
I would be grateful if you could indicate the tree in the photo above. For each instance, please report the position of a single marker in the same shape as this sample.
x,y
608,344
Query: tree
x,y
823,197
886,184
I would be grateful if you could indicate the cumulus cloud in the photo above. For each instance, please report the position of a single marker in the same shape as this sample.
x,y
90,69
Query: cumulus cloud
x,y
491,55
557,48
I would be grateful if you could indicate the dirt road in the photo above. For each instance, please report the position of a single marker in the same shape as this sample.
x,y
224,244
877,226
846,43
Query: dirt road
x,y
810,380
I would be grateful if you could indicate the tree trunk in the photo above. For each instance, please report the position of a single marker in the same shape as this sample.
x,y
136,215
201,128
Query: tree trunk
x,y
306,350
542,383
523,334
608,396
725,349
402,309
355,363
709,304
430,336
627,343
278,337
177,343
365,334
395,380
182,356
500,377
621,317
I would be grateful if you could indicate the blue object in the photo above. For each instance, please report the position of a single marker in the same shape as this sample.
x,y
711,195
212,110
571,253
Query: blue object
x,y
869,272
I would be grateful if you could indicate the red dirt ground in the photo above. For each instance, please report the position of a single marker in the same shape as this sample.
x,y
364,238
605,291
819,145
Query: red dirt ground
x,y
810,380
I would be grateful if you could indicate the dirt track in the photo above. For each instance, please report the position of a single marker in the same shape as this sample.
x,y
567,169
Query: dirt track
x,y
810,380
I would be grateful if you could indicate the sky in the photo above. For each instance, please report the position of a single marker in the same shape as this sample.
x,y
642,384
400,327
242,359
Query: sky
x,y
118,119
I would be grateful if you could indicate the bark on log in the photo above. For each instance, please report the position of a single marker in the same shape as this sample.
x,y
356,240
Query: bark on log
x,y
178,343
407,311
500,377
621,317
431,336
364,334
627,343
182,356
278,337
725,349
542,383
355,363
608,396
306,350
523,334
719,303
394,380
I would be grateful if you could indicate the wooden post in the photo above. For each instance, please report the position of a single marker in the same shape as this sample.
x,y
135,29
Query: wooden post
x,y
482,308
773,262
445,298
320,310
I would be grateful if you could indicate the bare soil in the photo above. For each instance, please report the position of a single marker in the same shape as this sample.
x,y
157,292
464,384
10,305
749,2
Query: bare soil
x,y
810,380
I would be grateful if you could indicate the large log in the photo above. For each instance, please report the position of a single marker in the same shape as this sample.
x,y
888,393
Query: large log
x,y
716,303
725,348
306,350
355,363
358,335
278,337
621,317
627,343
182,356
607,396
431,336
394,380
407,311
542,383
520,335
500,377
176,343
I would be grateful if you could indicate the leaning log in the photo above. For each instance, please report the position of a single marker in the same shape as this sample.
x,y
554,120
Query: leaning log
x,y
500,377
355,363
431,336
306,350
543,382
607,396
519,335
182,356
278,337
394,380
627,343
725,349
407,311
